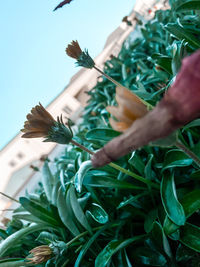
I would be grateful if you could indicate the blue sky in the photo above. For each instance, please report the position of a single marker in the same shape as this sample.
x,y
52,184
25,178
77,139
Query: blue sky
x,y
33,64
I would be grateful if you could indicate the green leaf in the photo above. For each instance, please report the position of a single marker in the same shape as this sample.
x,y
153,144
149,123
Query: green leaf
x,y
182,34
26,217
170,202
136,162
160,238
109,182
190,236
80,175
13,262
149,257
114,246
163,61
195,175
176,158
78,212
88,244
48,181
38,211
11,240
184,253
66,213
169,227
189,5
194,123
98,213
101,134
150,219
190,203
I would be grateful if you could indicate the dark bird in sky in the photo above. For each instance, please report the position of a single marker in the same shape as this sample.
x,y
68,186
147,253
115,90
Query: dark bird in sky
x,y
62,4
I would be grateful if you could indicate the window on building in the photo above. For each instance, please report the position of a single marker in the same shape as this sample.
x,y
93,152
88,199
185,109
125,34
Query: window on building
x,y
12,163
20,155
67,110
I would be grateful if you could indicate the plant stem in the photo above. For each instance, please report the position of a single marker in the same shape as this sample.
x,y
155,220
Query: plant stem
x,y
149,106
134,175
119,168
107,76
11,198
188,152
82,147
86,232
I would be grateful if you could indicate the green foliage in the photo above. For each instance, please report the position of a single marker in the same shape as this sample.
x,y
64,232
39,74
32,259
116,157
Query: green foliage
x,y
104,217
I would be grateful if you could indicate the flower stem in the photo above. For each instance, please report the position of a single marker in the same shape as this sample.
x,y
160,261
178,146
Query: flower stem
x,y
149,106
188,152
81,147
134,175
86,232
119,168
108,77
11,198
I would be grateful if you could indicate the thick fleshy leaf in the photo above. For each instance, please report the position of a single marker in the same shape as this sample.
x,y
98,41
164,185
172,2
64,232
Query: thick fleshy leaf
x,y
66,213
149,257
184,253
80,175
190,203
11,240
15,262
38,211
160,238
101,134
78,212
112,247
136,161
195,175
182,34
176,158
88,244
189,5
48,181
109,182
170,202
149,220
163,61
194,123
98,213
26,217
190,236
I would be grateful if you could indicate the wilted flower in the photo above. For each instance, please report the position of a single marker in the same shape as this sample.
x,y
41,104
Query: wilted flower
x,y
129,108
40,254
180,105
40,123
83,58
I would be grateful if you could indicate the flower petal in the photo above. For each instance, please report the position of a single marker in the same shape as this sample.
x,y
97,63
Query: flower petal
x,y
119,126
119,114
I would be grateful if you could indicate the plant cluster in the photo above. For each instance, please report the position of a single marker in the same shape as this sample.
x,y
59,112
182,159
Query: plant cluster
x,y
142,210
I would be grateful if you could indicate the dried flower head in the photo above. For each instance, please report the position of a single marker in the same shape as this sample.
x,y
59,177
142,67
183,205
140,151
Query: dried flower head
x,y
129,109
40,254
40,123
83,58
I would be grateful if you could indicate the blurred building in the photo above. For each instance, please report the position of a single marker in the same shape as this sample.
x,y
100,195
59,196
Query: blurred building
x,y
19,157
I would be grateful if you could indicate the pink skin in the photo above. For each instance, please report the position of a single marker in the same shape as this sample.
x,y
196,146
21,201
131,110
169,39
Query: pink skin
x,y
180,105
